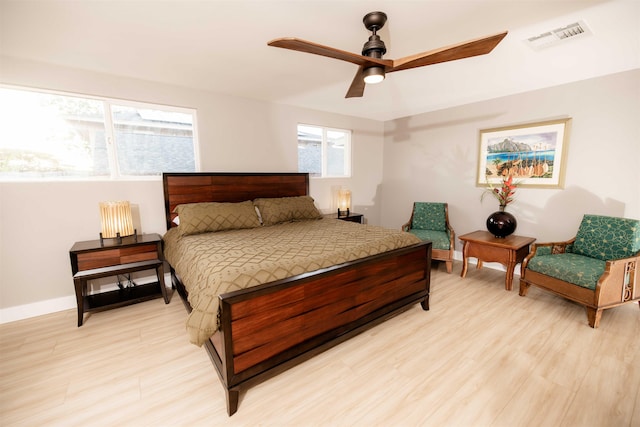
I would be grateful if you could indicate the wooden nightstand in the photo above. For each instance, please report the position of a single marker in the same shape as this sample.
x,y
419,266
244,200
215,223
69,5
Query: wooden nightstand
x,y
352,217
90,260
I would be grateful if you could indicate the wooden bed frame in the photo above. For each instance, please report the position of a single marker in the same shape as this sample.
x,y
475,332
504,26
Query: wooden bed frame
x,y
301,316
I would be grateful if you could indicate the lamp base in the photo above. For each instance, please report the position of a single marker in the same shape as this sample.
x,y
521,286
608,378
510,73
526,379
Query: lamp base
x,y
341,213
118,238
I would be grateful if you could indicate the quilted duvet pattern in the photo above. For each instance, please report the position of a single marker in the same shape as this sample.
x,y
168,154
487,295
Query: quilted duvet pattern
x,y
211,264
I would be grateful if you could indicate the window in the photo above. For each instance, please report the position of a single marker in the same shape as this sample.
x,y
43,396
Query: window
x,y
53,136
324,152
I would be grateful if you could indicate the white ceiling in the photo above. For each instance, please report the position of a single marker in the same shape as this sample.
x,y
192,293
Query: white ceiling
x,y
221,46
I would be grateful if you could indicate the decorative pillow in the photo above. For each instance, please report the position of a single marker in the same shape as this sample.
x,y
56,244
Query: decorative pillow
x,y
286,209
198,218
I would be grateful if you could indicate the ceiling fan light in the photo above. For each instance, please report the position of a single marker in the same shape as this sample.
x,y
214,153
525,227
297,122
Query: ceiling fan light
x,y
373,75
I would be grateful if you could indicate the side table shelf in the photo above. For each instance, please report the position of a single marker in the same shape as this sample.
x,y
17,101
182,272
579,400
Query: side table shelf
x,y
91,260
121,297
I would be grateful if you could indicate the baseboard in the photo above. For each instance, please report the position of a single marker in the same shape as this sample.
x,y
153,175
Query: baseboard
x,y
26,311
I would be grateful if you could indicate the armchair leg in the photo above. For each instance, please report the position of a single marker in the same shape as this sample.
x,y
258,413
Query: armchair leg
x,y
449,266
594,316
524,288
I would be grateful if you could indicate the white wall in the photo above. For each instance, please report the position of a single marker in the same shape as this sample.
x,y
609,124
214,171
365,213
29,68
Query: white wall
x,y
434,157
39,222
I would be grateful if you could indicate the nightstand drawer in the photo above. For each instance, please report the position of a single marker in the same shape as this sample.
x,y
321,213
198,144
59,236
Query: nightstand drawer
x,y
109,257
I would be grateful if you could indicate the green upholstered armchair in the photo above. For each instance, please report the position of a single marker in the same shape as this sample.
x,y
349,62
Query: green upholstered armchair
x,y
430,221
597,268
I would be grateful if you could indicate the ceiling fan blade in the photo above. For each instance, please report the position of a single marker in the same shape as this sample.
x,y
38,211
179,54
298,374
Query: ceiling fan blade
x,y
300,45
462,50
356,90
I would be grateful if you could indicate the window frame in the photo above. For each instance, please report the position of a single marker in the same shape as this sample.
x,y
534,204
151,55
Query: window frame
x,y
110,130
348,157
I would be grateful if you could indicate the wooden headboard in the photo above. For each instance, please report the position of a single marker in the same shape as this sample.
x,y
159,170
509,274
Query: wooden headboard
x,y
201,187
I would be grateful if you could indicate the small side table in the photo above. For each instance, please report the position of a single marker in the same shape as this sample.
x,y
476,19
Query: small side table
x,y
351,217
92,260
484,246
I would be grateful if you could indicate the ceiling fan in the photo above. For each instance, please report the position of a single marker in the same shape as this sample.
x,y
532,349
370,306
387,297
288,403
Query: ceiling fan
x,y
372,68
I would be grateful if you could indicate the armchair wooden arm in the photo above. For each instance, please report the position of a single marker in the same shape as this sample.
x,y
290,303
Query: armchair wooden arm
x,y
549,248
618,283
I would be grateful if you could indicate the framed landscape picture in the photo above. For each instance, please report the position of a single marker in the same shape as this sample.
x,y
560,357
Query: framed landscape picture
x,y
534,154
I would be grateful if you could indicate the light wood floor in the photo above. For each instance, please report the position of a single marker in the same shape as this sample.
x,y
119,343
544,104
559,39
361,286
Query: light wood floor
x,y
481,356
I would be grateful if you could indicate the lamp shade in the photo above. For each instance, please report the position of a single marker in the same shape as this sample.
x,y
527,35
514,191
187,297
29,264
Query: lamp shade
x,y
116,219
344,200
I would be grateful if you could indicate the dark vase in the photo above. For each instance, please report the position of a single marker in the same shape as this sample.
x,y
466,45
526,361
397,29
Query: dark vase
x,y
501,223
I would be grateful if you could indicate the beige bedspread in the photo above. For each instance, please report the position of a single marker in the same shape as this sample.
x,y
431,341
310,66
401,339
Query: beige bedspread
x,y
211,264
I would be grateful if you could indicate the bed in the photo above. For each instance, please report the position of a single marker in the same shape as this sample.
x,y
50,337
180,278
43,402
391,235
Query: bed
x,y
269,327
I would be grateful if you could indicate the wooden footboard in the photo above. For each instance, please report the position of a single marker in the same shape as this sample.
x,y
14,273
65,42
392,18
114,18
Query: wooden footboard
x,y
271,327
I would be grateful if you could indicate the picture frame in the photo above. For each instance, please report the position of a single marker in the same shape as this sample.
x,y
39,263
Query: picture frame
x,y
535,154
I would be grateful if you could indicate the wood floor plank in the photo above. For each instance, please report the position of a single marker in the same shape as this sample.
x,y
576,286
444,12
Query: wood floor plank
x,y
480,356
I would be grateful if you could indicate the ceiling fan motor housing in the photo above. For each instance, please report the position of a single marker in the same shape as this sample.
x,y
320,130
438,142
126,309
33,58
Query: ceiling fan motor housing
x,y
374,48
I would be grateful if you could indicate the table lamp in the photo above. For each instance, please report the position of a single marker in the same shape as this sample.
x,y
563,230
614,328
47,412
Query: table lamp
x,y
116,221
344,202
